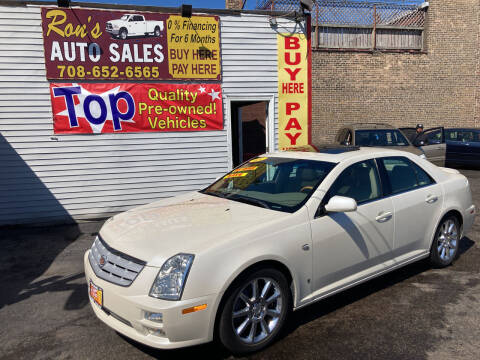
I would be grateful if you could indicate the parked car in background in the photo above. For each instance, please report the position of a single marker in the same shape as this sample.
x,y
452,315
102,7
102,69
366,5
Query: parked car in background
x,y
277,233
430,141
386,136
463,147
133,25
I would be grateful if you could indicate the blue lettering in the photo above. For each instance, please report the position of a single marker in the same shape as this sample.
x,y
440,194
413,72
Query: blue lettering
x,y
88,114
68,93
117,116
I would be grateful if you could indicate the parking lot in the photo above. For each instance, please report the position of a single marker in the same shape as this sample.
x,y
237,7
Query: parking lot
x,y
413,313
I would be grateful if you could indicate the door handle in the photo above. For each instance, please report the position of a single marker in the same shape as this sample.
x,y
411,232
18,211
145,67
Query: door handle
x,y
431,199
384,216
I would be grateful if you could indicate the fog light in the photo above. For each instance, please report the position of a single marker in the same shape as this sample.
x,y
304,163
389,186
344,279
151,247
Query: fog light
x,y
156,332
156,317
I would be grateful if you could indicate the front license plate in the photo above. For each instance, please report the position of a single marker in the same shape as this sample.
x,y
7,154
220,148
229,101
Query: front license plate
x,y
96,293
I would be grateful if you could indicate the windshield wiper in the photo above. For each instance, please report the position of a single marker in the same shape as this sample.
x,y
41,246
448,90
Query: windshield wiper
x,y
249,200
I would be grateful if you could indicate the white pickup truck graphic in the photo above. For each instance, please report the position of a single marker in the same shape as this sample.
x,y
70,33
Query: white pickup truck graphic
x,y
133,25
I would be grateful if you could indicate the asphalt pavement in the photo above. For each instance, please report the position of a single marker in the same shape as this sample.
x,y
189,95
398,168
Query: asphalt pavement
x,y
413,313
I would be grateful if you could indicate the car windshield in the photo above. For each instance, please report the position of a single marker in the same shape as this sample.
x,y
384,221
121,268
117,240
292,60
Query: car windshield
x,y
380,137
124,17
275,183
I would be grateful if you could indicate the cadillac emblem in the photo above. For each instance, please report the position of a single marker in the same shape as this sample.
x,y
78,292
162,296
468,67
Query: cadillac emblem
x,y
102,261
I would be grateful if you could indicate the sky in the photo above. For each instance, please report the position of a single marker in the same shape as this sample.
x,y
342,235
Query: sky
x,y
214,4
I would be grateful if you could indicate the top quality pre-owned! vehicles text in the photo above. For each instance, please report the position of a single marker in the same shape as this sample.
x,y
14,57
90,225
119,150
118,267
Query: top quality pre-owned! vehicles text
x,y
277,233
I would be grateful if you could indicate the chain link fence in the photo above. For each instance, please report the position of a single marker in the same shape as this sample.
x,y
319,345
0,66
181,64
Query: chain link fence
x,y
349,24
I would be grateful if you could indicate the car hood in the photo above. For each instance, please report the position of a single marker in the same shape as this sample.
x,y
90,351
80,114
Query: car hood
x,y
188,223
116,22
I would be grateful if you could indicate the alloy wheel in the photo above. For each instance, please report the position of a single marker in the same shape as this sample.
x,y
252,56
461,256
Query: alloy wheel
x,y
257,310
447,240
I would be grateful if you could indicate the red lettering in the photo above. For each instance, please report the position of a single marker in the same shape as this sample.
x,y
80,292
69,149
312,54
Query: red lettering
x,y
292,107
293,138
293,123
292,88
292,43
289,61
293,74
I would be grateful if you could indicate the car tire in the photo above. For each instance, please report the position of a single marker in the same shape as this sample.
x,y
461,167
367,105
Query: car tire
x,y
446,242
157,31
123,34
250,321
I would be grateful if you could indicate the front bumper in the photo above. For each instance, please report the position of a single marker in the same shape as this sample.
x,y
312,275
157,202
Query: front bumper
x,y
113,31
124,310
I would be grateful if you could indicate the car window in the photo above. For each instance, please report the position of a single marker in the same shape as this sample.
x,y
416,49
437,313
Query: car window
x,y
403,175
138,18
434,137
476,136
423,179
465,136
451,135
359,181
283,184
380,137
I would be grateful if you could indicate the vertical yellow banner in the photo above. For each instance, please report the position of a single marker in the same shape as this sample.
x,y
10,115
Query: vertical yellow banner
x,y
293,90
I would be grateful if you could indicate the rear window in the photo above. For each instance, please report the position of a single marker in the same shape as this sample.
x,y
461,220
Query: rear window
x,y
380,137
404,175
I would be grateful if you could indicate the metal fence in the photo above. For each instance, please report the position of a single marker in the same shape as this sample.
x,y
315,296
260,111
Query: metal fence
x,y
362,25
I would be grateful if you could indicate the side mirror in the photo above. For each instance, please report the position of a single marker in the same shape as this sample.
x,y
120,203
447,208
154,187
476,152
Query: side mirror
x,y
341,204
419,143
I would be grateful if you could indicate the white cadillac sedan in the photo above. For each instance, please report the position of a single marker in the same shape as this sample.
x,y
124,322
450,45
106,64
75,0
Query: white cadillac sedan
x,y
277,233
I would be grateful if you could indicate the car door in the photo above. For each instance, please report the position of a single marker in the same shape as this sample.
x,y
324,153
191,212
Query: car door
x,y
417,201
131,28
462,147
141,25
432,142
455,147
475,148
345,244
468,146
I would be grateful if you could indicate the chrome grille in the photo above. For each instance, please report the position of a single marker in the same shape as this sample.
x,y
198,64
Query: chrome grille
x,y
117,268
109,26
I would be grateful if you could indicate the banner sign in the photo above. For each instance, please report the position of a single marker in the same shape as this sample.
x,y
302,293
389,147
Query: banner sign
x,y
294,106
124,107
116,45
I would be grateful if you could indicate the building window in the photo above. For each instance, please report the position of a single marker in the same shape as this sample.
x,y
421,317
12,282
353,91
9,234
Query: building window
x,y
356,25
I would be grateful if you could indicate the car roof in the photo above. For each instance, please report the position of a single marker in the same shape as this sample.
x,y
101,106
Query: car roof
x,y
336,157
366,126
463,129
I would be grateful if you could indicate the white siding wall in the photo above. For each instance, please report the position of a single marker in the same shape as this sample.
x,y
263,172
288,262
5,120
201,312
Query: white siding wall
x,y
249,57
47,177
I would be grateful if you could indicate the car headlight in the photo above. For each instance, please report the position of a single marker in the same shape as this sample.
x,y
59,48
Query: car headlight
x,y
423,156
172,277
